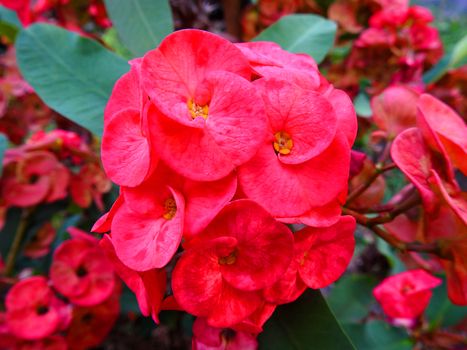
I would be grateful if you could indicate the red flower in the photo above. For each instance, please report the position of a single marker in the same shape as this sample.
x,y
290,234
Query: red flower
x,y
40,243
89,185
206,337
203,106
224,268
148,286
54,342
90,325
81,272
33,311
407,294
304,163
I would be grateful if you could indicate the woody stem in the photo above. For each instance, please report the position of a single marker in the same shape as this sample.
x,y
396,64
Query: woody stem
x,y
18,239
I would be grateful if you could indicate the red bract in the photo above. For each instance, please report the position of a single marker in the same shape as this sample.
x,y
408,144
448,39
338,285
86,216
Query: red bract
x,y
304,162
203,105
30,178
33,311
40,243
242,251
206,337
81,272
148,286
407,294
89,185
395,110
90,325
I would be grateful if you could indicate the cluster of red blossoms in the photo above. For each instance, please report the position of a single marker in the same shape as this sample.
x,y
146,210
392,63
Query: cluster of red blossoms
x,y
216,146
74,309
66,13
47,168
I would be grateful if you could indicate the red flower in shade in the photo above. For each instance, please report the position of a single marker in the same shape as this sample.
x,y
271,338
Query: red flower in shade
x,y
407,294
203,106
126,149
33,311
40,243
148,286
395,110
33,177
54,342
304,163
242,251
206,337
89,185
81,272
321,256
90,325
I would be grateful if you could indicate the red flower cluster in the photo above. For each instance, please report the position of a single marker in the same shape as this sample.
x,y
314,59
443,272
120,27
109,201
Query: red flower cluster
x,y
46,167
407,294
37,317
217,145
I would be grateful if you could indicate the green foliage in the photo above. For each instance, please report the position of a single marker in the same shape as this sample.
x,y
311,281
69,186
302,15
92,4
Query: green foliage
x,y
310,34
362,105
3,147
441,312
74,75
379,335
141,24
351,297
307,323
9,23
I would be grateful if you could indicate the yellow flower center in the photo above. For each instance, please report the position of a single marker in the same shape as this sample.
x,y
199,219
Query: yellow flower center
x,y
197,110
170,209
283,143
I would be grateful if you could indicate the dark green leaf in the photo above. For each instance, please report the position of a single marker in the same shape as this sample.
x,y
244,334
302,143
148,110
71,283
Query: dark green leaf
x,y
3,147
310,34
351,297
307,323
441,312
378,335
72,74
141,24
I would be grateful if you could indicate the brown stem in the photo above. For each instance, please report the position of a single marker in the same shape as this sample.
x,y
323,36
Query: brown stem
x,y
18,239
362,188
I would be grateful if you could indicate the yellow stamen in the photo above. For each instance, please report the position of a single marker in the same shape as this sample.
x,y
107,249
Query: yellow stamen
x,y
170,209
197,110
229,259
283,143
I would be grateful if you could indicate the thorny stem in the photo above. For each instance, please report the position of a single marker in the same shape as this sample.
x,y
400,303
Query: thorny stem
x,y
372,224
18,239
362,188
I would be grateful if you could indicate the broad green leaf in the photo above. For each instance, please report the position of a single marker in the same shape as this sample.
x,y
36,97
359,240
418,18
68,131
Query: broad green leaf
x,y
351,297
362,105
3,147
459,54
378,335
310,34
441,312
141,24
74,75
305,324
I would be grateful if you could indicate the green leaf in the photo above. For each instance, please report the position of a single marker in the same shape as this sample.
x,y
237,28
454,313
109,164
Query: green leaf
x,y
379,335
351,297
362,105
459,54
310,34
141,24
441,312
3,147
74,75
9,23
307,323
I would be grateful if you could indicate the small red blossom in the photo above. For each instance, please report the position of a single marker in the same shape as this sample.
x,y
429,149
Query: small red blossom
x,y
33,311
407,294
40,243
81,272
